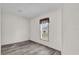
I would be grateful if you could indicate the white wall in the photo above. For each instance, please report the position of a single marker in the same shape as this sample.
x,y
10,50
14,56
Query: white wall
x,y
54,29
14,28
71,29
0,30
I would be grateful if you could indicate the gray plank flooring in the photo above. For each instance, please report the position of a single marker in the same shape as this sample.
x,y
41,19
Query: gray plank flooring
x,y
28,48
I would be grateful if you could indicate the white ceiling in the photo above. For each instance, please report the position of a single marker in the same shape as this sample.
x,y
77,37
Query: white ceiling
x,y
30,10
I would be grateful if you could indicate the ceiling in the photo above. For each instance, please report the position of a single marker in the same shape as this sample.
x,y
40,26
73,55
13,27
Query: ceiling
x,y
30,10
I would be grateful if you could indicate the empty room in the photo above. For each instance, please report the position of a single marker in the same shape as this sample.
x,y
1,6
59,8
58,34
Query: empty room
x,y
39,28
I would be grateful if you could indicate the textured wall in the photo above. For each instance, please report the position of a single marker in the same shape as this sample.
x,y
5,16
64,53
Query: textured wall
x,y
14,28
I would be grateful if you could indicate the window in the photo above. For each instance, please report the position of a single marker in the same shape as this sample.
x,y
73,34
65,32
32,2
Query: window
x,y
44,29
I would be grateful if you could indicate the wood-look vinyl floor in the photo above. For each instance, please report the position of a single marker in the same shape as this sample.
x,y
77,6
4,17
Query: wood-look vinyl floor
x,y
28,48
